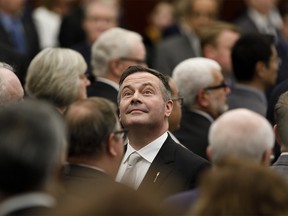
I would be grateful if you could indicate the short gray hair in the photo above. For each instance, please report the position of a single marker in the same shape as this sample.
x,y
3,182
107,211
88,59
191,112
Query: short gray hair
x,y
53,75
32,145
112,44
192,75
240,133
281,118
11,89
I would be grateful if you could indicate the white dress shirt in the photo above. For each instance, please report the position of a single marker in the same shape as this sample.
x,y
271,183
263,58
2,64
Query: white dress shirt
x,y
148,153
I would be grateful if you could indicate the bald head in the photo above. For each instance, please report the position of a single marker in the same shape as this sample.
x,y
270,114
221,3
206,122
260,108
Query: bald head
x,y
241,133
11,89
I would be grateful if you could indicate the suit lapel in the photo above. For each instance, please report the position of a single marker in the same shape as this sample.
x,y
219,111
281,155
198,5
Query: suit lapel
x,y
160,167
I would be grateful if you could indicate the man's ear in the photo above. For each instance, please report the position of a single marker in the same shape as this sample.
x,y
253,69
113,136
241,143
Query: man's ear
x,y
266,157
169,108
209,153
278,140
112,144
260,68
202,98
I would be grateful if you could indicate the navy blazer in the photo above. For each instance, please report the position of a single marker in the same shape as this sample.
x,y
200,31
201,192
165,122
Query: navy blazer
x,y
173,170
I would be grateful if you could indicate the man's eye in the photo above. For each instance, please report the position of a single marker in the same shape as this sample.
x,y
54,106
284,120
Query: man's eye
x,y
147,92
126,94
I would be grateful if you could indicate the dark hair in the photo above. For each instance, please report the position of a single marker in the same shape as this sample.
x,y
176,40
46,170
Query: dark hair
x,y
89,122
247,51
32,144
136,69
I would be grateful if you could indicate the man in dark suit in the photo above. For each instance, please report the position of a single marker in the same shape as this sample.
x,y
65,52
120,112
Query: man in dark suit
x,y
95,142
112,53
18,35
280,128
173,50
202,86
32,152
163,167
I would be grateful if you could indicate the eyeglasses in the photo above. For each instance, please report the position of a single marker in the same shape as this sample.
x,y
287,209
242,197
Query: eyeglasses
x,y
180,100
122,133
138,61
222,85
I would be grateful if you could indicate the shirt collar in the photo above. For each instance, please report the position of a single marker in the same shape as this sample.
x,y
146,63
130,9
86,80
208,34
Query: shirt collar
x,y
33,199
149,151
109,82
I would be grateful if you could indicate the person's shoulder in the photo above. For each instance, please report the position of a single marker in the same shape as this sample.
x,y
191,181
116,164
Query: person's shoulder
x,y
186,156
173,40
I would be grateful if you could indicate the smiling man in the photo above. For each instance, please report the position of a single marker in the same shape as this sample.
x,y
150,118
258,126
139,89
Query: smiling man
x,y
163,167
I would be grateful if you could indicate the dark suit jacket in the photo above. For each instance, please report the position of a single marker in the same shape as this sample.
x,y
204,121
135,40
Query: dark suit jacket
x,y
32,42
281,165
193,132
171,52
182,202
76,173
101,89
174,169
246,24
71,31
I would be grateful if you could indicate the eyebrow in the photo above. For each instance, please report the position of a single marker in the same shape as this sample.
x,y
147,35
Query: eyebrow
x,y
143,85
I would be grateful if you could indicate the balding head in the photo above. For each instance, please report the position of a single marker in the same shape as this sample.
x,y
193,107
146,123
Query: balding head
x,y
11,89
243,134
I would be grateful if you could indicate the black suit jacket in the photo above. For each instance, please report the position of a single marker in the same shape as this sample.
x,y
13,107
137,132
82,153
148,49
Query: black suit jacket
x,y
32,42
174,169
193,132
101,89
78,174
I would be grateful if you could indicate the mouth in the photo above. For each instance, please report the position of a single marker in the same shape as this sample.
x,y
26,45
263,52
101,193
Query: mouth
x,y
136,110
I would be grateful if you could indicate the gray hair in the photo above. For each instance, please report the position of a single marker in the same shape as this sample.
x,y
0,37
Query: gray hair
x,y
240,133
192,75
112,44
32,146
53,75
11,89
281,118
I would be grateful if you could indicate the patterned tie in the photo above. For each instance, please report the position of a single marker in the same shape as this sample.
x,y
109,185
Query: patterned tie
x,y
129,177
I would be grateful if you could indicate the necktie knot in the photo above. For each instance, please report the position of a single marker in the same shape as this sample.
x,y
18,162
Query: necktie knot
x,y
133,159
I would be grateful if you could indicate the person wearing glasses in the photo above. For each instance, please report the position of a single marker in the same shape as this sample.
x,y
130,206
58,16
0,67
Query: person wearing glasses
x,y
114,51
162,167
202,86
95,142
255,66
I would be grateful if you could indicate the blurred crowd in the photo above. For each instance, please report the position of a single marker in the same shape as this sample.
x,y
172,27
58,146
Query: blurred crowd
x,y
186,116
